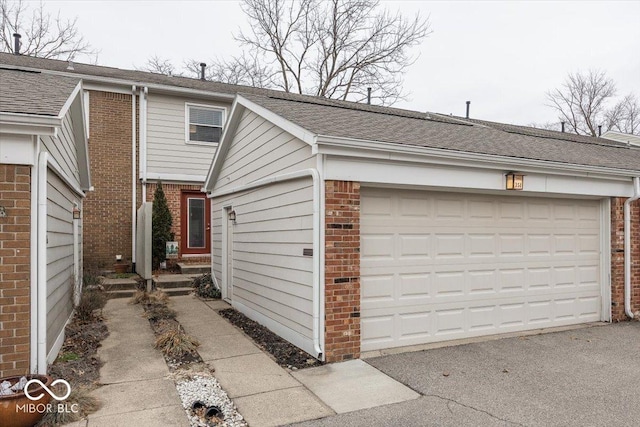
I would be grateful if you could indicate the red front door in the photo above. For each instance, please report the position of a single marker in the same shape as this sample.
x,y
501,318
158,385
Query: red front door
x,y
195,215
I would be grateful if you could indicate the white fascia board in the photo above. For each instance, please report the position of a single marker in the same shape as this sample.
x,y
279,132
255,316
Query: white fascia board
x,y
284,124
381,150
69,101
229,130
77,111
388,173
29,124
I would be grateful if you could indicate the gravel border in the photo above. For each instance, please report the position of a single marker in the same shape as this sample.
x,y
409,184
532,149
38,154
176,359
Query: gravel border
x,y
205,388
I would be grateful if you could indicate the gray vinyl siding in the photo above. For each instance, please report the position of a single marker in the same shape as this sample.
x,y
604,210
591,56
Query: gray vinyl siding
x,y
62,149
60,202
271,277
259,150
167,149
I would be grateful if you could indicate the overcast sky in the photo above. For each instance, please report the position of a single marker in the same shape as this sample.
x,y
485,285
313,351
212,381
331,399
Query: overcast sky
x,y
501,56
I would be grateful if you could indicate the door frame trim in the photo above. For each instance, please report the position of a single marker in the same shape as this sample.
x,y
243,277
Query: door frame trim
x,y
184,224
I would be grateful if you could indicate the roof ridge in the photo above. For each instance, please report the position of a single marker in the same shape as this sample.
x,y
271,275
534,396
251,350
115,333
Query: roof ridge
x,y
546,133
356,106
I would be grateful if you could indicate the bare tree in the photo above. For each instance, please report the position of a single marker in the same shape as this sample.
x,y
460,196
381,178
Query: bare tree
x,y
583,103
43,35
242,70
546,126
159,65
625,116
336,48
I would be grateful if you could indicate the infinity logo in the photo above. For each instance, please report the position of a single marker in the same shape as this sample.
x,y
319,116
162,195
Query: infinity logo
x,y
51,393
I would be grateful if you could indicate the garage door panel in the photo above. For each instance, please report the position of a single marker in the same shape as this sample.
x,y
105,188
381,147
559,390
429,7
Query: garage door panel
x,y
437,267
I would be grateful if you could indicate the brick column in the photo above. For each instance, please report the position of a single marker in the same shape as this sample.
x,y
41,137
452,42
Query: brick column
x,y
342,270
15,264
617,258
107,209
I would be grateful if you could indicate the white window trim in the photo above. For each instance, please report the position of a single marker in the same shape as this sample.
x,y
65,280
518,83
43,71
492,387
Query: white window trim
x,y
186,123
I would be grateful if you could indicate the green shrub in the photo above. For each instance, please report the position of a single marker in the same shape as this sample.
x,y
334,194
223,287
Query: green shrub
x,y
161,222
205,287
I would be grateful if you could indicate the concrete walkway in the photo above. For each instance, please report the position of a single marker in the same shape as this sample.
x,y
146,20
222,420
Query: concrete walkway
x,y
269,395
135,391
264,393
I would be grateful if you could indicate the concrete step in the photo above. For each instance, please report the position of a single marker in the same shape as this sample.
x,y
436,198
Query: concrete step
x,y
194,268
117,284
172,292
166,281
120,293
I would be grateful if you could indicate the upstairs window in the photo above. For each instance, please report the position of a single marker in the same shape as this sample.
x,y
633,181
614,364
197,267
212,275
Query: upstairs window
x,y
204,124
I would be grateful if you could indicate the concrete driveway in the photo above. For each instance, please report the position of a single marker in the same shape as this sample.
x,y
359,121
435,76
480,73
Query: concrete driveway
x,y
582,377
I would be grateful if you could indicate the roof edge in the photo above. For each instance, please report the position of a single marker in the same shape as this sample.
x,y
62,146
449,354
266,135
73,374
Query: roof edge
x,y
361,146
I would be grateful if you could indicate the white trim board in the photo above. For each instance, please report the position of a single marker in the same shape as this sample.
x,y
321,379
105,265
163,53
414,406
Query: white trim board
x,y
376,171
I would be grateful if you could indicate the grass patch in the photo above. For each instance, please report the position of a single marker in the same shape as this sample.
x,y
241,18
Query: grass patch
x,y
176,343
67,357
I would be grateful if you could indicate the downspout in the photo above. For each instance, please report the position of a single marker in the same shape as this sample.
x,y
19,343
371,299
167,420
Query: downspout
x,y
143,142
134,182
317,267
33,342
317,234
627,246
76,260
43,159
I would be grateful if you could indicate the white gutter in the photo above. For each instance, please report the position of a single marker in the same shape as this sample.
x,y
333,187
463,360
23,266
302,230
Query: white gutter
x,y
390,151
134,181
627,246
42,263
317,267
143,142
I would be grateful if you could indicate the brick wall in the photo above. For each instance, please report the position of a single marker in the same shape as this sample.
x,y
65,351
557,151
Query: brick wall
x,y
342,270
15,183
107,210
173,193
617,258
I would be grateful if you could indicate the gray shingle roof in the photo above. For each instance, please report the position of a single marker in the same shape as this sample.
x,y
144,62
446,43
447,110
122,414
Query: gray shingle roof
x,y
429,130
34,93
133,76
369,122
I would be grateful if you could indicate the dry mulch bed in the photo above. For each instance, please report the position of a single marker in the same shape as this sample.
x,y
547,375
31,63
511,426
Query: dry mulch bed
x,y
78,362
161,326
286,354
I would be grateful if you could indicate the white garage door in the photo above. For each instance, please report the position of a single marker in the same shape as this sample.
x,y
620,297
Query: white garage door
x,y
441,266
